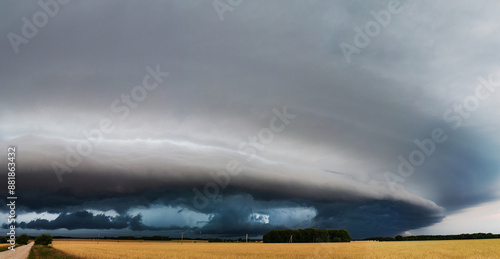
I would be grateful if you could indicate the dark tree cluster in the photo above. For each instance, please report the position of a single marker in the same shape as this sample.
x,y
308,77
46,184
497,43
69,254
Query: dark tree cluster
x,y
22,239
437,237
307,235
43,239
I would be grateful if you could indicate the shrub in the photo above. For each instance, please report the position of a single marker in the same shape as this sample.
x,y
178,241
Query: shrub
x,y
22,239
43,239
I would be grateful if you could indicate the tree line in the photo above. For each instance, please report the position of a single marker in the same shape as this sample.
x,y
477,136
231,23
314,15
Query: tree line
x,y
437,237
306,235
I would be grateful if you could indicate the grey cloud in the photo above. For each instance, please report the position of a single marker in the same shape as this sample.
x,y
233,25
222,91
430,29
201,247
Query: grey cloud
x,y
78,220
87,220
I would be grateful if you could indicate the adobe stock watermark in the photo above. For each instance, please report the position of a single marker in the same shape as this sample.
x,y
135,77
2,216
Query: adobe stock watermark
x,y
221,178
222,6
454,116
372,29
40,19
120,107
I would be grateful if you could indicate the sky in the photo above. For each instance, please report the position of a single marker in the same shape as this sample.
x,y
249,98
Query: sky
x,y
225,118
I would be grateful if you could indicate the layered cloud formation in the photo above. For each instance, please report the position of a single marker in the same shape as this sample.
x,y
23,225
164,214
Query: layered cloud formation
x,y
162,118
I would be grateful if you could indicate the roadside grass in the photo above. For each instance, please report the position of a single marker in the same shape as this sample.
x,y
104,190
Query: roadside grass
x,y
5,247
41,251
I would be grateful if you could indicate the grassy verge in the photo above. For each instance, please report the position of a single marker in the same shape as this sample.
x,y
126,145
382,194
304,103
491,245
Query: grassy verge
x,y
40,251
5,247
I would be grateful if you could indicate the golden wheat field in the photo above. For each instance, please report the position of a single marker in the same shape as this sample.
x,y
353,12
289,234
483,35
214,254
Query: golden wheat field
x,y
406,249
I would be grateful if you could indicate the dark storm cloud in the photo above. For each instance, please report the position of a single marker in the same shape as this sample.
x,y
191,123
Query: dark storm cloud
x,y
87,220
363,219
231,215
78,220
117,175
351,121
368,219
463,172
136,224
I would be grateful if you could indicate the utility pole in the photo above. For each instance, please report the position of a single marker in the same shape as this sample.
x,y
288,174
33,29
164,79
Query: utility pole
x,y
247,239
98,235
182,237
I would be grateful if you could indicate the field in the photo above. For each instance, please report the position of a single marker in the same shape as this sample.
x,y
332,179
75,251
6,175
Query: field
x,y
3,247
486,248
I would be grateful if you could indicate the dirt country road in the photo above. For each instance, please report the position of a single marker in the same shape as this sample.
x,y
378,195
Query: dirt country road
x,y
21,252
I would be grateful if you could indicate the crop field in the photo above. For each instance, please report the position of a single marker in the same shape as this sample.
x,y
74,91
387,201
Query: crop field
x,y
485,248
3,247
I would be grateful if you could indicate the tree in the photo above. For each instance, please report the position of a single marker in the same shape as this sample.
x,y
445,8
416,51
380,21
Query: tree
x,y
43,239
3,239
22,239
340,233
399,238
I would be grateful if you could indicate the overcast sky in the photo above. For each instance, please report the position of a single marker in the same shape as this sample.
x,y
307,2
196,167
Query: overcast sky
x,y
232,117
